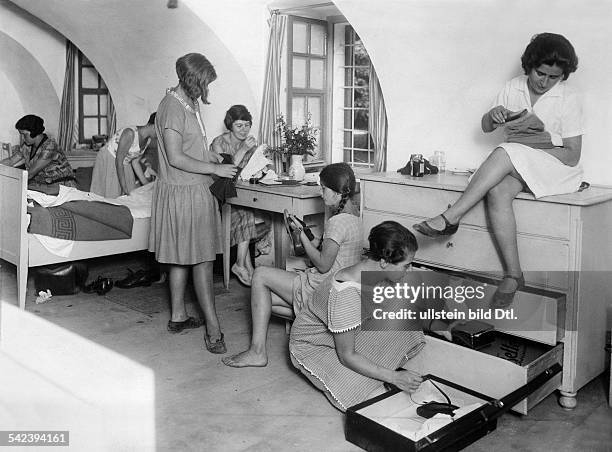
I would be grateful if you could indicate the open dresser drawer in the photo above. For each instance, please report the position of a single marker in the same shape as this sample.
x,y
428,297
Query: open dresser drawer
x,y
496,370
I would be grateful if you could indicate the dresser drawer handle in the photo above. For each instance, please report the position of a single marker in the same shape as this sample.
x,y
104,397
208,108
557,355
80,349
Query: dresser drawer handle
x,y
450,244
254,199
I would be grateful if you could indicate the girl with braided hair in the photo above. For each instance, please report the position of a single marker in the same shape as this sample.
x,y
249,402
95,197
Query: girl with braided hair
x,y
283,292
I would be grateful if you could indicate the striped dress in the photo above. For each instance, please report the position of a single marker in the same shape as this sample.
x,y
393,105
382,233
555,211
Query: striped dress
x,y
335,307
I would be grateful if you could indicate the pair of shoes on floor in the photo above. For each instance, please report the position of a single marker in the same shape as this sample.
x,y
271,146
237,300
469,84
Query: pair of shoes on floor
x,y
138,278
242,274
504,299
101,286
294,230
424,228
218,347
177,327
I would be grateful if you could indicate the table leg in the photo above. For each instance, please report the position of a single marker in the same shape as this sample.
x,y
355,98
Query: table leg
x,y
226,213
281,241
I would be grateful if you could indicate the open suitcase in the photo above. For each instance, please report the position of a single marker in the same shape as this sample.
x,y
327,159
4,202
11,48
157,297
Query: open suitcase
x,y
389,422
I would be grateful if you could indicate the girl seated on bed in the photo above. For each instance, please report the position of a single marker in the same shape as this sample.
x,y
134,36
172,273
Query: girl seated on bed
x,y
118,169
45,162
285,292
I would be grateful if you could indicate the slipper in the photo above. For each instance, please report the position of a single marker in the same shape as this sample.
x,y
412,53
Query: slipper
x,y
242,275
177,327
217,347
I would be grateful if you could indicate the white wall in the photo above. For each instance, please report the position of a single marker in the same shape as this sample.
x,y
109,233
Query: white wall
x,y
31,70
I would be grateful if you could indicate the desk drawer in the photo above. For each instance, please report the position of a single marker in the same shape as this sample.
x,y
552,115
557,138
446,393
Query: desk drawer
x,y
263,201
545,261
539,218
512,363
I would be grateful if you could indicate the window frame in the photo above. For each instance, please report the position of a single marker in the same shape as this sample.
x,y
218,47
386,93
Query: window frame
x,y
322,94
101,90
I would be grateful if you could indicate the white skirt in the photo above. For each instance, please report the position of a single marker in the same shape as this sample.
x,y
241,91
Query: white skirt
x,y
544,174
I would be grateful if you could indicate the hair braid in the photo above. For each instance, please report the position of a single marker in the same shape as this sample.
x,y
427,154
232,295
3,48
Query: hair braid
x,y
343,199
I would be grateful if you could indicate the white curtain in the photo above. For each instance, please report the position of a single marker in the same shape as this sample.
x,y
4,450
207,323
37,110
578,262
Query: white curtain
x,y
112,117
270,105
68,129
378,122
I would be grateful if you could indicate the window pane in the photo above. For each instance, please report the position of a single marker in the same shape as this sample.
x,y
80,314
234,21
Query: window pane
x,y
300,31
362,97
299,72
90,105
361,56
317,73
314,108
103,126
317,40
103,104
102,84
361,119
298,111
90,127
362,76
362,157
361,139
348,140
86,61
348,97
348,119
348,156
90,78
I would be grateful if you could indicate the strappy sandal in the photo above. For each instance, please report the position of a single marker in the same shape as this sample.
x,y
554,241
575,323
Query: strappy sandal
x,y
504,299
218,347
425,229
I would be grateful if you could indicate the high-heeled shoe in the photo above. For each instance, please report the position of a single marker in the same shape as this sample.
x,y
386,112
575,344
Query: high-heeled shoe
x,y
294,235
504,299
425,229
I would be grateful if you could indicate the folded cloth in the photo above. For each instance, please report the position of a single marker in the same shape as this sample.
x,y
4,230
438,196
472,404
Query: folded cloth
x,y
82,220
528,130
225,187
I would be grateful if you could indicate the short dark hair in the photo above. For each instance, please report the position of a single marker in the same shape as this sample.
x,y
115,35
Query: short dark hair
x,y
551,49
152,118
237,113
195,73
391,242
32,123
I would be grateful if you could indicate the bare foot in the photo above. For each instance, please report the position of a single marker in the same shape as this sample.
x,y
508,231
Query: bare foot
x,y
247,358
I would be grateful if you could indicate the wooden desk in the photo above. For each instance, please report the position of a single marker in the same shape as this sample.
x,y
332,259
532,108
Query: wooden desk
x,y
564,241
300,200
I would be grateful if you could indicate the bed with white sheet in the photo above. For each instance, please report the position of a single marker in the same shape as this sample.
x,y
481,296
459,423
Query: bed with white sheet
x,y
26,250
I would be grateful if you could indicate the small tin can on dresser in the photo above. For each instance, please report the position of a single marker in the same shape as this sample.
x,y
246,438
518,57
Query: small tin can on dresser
x,y
417,165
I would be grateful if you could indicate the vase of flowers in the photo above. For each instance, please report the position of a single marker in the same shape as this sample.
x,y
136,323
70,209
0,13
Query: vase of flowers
x,y
295,144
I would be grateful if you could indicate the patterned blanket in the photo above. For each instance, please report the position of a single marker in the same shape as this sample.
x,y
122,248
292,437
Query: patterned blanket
x,y
82,220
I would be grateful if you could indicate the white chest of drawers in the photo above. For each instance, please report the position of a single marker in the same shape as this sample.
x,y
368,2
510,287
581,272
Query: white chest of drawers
x,y
565,244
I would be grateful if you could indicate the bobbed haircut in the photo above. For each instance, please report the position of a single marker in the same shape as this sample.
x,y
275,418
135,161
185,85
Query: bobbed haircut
x,y
195,73
32,123
237,113
391,242
152,118
551,49
340,178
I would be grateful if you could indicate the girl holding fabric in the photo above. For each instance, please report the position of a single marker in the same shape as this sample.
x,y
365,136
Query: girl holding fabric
x,y
185,219
117,170
45,162
327,343
548,61
284,292
236,143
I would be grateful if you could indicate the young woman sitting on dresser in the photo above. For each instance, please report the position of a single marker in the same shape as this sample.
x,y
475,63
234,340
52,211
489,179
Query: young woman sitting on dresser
x,y
542,166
